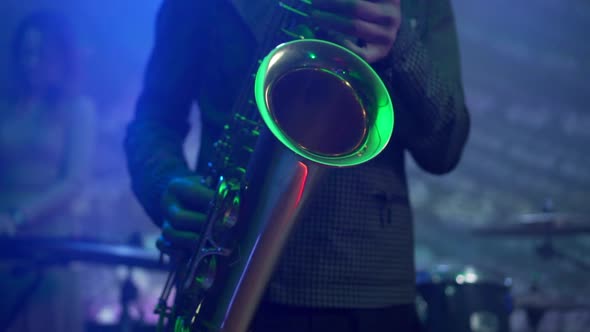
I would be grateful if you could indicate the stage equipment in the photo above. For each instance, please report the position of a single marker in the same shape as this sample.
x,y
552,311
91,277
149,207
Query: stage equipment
x,y
463,299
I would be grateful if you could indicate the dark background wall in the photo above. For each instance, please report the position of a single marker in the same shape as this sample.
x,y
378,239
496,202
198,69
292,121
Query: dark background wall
x,y
525,69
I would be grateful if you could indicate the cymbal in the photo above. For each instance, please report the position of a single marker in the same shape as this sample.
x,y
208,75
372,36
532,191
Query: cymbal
x,y
544,223
551,217
60,250
545,302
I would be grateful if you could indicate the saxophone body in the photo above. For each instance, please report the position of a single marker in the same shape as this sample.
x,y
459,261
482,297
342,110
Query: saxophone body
x,y
317,105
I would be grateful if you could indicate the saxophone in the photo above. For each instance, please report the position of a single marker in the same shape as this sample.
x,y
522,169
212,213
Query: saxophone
x,y
317,105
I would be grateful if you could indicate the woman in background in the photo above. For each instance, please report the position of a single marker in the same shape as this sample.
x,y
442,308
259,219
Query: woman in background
x,y
46,139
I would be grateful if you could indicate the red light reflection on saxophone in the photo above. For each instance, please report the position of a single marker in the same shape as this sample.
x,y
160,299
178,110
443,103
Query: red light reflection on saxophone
x,y
304,170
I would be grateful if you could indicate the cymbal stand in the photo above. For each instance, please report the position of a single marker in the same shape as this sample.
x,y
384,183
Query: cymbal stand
x,y
546,250
534,315
129,293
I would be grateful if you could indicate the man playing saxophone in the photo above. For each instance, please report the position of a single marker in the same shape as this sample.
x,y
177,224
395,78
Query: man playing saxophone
x,y
349,263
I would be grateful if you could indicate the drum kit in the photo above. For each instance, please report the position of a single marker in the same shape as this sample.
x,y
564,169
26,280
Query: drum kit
x,y
42,252
56,251
451,298
465,299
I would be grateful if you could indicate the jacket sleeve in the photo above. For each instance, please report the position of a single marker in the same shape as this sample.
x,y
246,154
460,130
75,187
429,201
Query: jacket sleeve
x,y
424,74
155,136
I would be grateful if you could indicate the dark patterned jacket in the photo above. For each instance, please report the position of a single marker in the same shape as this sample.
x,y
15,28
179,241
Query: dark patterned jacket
x,y
353,247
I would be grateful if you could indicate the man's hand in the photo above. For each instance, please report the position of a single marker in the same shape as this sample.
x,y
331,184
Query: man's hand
x,y
374,23
185,204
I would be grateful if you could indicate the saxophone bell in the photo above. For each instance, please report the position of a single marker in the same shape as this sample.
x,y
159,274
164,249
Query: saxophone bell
x,y
324,102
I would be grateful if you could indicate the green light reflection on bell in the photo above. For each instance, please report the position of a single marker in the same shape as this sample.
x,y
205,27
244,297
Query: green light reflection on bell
x,y
382,117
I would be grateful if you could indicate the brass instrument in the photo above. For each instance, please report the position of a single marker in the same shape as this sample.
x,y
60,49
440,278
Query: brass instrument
x,y
318,104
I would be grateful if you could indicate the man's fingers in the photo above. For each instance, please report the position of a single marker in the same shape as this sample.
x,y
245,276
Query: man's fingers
x,y
370,53
184,220
179,239
374,22
190,192
166,247
367,31
337,6
382,12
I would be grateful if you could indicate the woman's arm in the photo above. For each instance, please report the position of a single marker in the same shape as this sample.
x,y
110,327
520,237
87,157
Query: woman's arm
x,y
78,150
